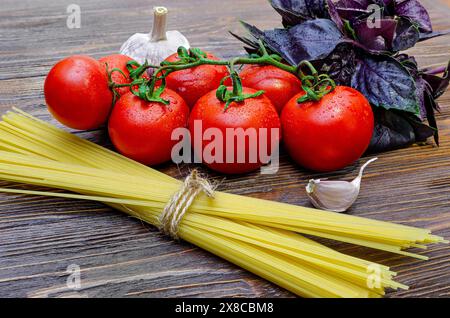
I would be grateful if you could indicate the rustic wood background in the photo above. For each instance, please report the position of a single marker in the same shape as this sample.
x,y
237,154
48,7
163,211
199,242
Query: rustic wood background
x,y
121,257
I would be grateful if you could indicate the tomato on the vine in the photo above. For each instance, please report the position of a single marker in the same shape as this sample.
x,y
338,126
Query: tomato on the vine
x,y
195,82
249,116
142,130
329,134
77,93
279,85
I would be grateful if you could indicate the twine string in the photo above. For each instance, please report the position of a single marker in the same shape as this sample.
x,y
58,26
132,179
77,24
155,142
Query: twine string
x,y
180,202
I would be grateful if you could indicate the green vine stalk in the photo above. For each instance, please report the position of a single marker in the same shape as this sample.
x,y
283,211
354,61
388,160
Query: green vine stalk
x,y
315,86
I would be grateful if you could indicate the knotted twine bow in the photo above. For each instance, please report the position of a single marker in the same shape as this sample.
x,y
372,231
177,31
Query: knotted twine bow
x,y
181,201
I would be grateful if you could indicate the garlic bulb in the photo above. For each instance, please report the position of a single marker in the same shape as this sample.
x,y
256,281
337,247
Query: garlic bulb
x,y
336,196
157,45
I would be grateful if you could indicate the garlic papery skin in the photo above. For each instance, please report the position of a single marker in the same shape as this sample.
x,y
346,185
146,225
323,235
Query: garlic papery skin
x,y
157,45
335,196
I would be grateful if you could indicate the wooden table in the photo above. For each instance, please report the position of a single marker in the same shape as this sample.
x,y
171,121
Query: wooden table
x,y
121,257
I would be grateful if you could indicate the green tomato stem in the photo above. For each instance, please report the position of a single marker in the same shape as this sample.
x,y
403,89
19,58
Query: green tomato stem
x,y
316,86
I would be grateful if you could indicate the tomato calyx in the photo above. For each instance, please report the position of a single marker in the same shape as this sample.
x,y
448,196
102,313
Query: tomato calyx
x,y
236,94
137,70
315,86
147,88
151,92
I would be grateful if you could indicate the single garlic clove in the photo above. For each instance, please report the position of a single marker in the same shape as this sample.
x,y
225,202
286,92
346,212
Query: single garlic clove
x,y
336,196
156,46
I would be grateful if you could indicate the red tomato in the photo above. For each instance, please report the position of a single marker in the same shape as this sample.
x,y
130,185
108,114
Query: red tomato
x,y
329,134
77,93
279,86
118,61
195,82
253,113
142,130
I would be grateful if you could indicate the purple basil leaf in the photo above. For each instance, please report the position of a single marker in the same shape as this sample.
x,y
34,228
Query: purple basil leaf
x,y
363,4
291,17
295,12
427,86
354,4
413,10
409,62
434,34
422,87
376,38
352,14
353,10
431,105
340,64
388,7
334,15
254,31
392,131
387,3
386,83
406,35
422,131
438,85
318,8
250,43
396,129
311,40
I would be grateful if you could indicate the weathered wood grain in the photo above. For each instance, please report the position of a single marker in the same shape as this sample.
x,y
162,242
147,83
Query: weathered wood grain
x,y
122,257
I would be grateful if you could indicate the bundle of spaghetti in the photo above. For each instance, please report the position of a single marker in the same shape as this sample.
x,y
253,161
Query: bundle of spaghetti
x,y
260,236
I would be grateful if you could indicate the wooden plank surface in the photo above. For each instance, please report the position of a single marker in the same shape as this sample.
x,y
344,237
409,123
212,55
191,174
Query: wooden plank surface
x,y
119,256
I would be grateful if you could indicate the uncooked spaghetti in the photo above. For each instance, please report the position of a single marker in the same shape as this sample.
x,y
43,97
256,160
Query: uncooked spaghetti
x,y
258,235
